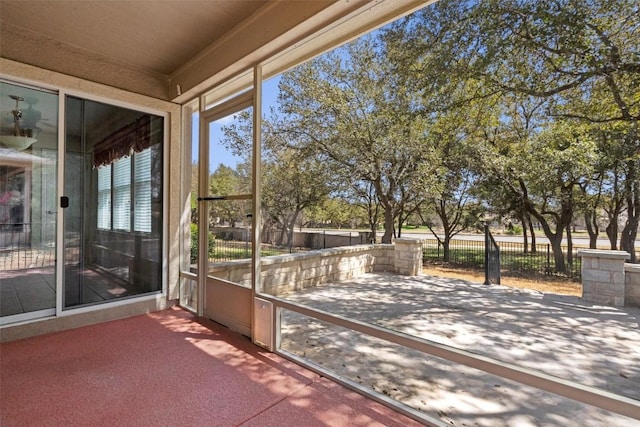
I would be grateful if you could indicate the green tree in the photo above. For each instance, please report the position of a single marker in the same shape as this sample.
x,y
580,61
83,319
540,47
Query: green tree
x,y
580,60
225,181
545,172
583,56
452,195
334,212
292,179
349,107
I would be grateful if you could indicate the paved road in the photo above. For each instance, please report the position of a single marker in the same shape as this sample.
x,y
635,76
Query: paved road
x,y
577,241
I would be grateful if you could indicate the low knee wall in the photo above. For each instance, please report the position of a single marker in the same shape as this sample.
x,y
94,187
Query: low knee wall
x,y
287,273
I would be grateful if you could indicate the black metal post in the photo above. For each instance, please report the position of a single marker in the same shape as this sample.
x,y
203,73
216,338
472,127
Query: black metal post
x,y
548,259
486,254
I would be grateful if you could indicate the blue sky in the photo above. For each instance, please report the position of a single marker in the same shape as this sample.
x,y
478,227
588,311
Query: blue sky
x,y
218,154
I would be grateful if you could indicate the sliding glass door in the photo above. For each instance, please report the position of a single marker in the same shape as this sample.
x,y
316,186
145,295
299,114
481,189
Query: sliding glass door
x,y
112,203
109,199
28,162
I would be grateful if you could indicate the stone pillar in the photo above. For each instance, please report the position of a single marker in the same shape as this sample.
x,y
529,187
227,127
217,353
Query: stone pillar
x,y
632,285
408,257
603,276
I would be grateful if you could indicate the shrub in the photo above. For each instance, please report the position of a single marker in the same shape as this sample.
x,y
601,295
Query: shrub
x,y
514,230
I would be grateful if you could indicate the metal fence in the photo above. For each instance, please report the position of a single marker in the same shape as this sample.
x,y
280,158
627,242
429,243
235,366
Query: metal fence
x,y
514,261
17,251
226,243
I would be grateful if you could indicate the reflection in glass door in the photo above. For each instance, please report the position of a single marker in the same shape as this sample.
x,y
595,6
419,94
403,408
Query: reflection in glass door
x,y
113,198
28,162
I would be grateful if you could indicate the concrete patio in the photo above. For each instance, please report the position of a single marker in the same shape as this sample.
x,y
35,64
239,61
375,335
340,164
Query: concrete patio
x,y
559,335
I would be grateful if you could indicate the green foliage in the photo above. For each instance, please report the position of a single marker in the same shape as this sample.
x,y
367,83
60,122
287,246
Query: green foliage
x,y
224,181
519,108
351,110
195,246
194,242
292,180
514,230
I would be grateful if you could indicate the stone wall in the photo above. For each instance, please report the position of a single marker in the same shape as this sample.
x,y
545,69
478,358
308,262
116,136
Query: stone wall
x,y
290,272
301,239
408,256
603,276
632,284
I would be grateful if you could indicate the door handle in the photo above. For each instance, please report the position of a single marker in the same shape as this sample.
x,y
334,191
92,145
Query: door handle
x,y
64,202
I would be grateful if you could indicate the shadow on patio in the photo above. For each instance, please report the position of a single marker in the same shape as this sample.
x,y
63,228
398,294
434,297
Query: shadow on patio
x,y
168,368
559,335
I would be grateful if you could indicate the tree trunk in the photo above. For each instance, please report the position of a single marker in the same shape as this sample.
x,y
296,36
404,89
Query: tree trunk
x,y
289,236
387,237
373,228
291,226
569,247
612,233
446,256
372,213
534,248
592,229
630,230
555,239
558,256
525,239
628,239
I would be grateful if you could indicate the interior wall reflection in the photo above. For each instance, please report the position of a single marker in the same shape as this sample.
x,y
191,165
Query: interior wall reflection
x,y
28,162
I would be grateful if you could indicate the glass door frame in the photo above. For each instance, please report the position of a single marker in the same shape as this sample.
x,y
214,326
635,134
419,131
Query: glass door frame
x,y
62,146
235,94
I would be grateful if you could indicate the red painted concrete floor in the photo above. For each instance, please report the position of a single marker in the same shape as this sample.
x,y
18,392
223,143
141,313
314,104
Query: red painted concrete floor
x,y
169,369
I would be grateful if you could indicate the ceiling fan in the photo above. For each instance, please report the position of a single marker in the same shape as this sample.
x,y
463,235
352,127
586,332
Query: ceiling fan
x,y
23,137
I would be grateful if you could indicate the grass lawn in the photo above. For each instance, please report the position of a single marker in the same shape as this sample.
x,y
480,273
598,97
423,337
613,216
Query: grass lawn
x,y
546,284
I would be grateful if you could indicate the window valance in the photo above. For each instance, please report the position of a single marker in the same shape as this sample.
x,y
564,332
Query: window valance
x,y
132,138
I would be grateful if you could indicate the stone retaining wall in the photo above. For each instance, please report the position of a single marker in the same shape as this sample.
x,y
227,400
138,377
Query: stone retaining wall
x,y
286,273
606,279
408,256
632,284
